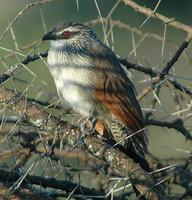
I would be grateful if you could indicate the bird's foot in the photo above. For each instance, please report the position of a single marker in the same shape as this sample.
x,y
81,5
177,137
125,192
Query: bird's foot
x,y
88,126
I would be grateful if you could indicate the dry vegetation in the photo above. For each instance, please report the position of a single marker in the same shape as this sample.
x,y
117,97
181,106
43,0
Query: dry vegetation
x,y
42,155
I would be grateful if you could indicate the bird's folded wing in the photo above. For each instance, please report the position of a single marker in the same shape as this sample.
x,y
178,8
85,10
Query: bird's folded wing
x,y
119,98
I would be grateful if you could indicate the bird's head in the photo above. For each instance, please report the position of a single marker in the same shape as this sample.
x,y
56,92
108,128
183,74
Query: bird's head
x,y
67,34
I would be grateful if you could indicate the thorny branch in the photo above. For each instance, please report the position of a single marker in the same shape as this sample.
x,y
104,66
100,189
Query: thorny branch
x,y
121,163
166,69
10,176
153,74
12,70
148,12
37,3
24,193
176,124
124,26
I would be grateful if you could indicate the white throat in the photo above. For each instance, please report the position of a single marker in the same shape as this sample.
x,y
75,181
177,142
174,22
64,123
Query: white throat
x,y
59,44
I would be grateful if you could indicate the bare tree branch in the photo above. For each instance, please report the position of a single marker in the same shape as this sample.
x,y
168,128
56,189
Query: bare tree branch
x,y
121,163
176,124
148,12
166,69
12,70
36,131
10,176
27,6
116,159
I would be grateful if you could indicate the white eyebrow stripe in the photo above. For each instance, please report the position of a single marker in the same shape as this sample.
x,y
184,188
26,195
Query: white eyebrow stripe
x,y
70,29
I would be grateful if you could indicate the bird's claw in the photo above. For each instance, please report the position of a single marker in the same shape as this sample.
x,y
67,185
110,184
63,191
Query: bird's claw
x,y
88,126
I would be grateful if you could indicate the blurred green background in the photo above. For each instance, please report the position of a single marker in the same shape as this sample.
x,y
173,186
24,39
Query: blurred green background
x,y
30,27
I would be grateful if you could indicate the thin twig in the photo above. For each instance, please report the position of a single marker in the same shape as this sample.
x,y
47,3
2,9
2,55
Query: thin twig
x,y
27,6
12,70
166,69
154,11
164,19
10,176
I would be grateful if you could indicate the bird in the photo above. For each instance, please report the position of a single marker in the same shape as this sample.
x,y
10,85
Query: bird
x,y
90,78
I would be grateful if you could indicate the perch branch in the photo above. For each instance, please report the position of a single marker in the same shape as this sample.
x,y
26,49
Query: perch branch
x,y
122,164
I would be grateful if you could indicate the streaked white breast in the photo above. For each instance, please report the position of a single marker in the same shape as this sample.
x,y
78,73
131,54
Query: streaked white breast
x,y
72,76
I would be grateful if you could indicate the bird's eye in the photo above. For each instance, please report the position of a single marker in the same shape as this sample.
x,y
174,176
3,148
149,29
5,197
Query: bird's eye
x,y
66,34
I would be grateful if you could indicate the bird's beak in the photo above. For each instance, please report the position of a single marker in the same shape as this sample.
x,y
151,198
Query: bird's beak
x,y
49,36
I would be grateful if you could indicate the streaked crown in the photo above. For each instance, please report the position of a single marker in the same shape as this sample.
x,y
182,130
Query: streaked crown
x,y
67,31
